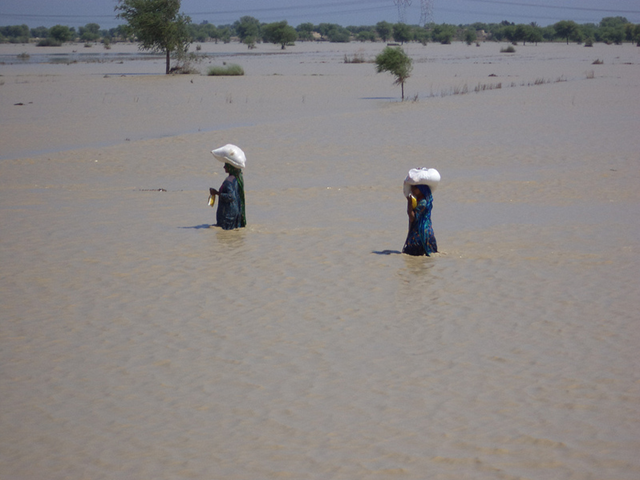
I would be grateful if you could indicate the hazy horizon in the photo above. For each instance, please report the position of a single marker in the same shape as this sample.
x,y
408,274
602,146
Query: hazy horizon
x,y
76,13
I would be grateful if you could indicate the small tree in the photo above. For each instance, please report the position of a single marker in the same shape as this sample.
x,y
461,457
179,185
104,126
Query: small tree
x,y
248,30
521,33
90,32
305,32
534,35
397,63
402,33
384,30
567,29
443,33
158,25
470,36
60,33
280,33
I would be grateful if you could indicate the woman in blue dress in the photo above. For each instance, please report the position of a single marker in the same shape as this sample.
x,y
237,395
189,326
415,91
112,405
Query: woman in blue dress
x,y
420,240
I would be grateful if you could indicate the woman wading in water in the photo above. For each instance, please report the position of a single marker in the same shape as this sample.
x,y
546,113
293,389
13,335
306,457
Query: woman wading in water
x,y
231,210
417,188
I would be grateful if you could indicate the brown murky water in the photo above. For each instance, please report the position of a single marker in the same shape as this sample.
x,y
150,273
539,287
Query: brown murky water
x,y
138,342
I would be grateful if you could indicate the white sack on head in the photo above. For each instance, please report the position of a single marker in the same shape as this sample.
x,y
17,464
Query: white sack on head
x,y
421,176
230,154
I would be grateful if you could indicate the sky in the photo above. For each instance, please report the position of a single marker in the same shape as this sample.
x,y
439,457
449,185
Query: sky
x,y
76,13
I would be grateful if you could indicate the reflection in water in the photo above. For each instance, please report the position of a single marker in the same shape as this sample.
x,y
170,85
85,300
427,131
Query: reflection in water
x,y
416,276
232,240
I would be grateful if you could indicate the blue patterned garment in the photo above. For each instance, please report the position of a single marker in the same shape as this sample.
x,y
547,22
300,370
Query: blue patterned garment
x,y
229,215
421,240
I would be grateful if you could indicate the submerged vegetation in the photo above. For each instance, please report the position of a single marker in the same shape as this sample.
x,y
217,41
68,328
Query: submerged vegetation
x,y
227,70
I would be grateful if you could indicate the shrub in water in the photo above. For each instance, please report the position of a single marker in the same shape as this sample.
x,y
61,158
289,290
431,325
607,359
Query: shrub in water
x,y
229,70
48,42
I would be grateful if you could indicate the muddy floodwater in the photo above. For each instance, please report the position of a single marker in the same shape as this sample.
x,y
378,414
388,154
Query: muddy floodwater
x,y
139,341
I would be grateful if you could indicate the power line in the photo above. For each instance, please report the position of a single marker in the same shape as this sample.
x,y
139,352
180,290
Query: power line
x,y
541,5
289,9
371,6
506,16
364,6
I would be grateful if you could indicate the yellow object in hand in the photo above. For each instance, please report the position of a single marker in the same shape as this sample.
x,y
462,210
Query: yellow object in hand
x,y
414,202
212,200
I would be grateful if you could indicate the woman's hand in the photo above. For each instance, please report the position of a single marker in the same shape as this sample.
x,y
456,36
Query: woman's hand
x,y
213,191
410,211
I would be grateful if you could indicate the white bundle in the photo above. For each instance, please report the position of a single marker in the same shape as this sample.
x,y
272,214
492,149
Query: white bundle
x,y
421,176
230,154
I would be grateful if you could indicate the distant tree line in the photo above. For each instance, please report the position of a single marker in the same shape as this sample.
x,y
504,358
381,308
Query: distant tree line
x,y
250,31
59,34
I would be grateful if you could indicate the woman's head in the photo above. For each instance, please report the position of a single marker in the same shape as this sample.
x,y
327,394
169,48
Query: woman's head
x,y
420,191
231,170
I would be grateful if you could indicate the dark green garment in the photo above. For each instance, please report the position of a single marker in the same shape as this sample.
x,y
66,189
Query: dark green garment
x,y
229,215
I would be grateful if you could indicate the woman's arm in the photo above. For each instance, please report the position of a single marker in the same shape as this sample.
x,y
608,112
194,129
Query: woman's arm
x,y
228,190
410,211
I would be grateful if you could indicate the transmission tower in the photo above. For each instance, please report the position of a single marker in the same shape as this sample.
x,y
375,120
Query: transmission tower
x,y
402,7
426,12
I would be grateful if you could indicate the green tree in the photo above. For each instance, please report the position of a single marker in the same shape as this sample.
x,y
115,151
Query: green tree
x,y
534,35
420,34
366,36
225,33
397,63
629,32
334,32
384,30
509,32
121,32
480,26
15,33
588,30
280,33
90,32
636,34
470,36
305,31
548,33
60,33
521,33
443,33
39,32
339,35
402,32
612,35
324,28
248,30
158,25
613,22
612,30
212,32
567,29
